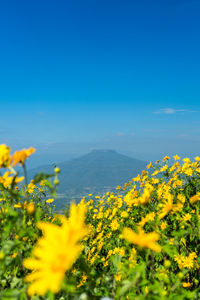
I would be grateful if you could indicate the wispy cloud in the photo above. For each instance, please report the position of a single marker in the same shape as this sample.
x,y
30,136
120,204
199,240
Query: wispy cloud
x,y
120,134
172,111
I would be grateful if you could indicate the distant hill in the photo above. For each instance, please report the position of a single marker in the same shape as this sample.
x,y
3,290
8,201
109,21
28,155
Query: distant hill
x,y
98,171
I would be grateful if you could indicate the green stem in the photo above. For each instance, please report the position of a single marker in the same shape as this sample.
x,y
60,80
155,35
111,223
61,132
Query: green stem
x,y
26,181
25,174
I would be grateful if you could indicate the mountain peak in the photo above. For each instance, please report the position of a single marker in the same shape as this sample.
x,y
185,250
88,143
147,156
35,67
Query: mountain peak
x,y
99,151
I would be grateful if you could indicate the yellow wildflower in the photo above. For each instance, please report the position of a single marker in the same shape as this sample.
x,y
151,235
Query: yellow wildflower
x,y
166,158
195,198
118,277
30,208
7,179
18,205
114,225
187,217
129,198
146,196
124,214
186,284
142,239
4,156
167,206
149,165
51,200
163,225
83,280
186,160
14,255
176,157
55,252
31,186
21,156
197,158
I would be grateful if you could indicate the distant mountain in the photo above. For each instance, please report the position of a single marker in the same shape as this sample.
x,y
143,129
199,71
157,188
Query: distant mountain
x,y
98,171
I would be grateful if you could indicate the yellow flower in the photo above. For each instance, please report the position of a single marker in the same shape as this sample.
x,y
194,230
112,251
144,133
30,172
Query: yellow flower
x,y
105,264
197,158
189,171
142,239
30,208
163,225
14,255
188,262
7,180
176,157
49,201
195,198
148,217
186,284
83,280
187,217
166,158
18,205
136,178
164,168
146,196
55,252
21,156
186,160
118,277
31,186
4,156
119,251
167,206
129,198
114,225
124,214
149,165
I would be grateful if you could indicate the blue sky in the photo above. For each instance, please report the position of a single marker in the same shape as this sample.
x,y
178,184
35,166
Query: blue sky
x,y
117,74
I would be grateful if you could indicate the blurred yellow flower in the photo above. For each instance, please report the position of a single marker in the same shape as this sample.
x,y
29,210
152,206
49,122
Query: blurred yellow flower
x,y
163,225
49,201
55,252
186,284
21,156
7,179
124,214
4,156
176,157
167,206
195,198
166,158
31,186
142,239
30,207
186,160
118,277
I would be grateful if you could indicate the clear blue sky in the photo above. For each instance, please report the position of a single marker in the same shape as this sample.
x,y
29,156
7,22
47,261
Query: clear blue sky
x,y
96,71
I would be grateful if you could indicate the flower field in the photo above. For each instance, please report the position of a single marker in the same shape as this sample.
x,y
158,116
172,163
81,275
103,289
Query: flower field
x,y
141,242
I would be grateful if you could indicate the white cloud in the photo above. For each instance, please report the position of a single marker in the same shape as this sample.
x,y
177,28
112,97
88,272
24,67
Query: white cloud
x,y
171,111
